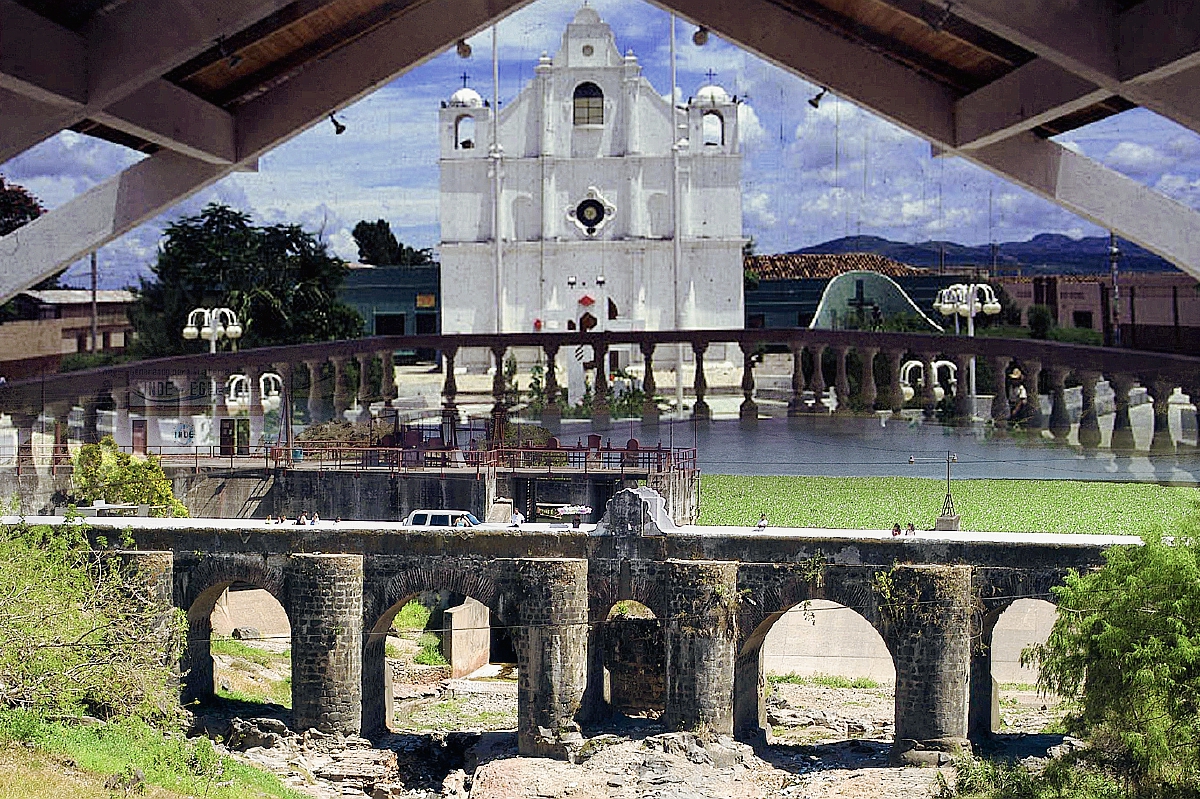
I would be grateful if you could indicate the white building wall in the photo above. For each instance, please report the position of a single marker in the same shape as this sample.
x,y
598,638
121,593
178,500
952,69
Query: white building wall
x,y
549,164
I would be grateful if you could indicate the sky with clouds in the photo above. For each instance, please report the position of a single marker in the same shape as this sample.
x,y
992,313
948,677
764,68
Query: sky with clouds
x,y
809,175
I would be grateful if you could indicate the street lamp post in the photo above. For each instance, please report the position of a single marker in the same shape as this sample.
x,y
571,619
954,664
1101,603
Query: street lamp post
x,y
947,519
213,324
966,300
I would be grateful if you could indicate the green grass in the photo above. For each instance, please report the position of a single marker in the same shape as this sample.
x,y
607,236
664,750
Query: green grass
x,y
413,616
455,714
277,692
173,762
876,503
825,680
235,648
431,651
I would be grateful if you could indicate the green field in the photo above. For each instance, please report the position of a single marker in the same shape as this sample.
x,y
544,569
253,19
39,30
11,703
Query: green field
x,y
873,503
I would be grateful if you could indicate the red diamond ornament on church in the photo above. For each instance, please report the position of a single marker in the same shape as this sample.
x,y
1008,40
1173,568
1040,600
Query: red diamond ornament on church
x,y
586,301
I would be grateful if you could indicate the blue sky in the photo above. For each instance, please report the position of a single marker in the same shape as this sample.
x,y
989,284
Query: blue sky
x,y
808,176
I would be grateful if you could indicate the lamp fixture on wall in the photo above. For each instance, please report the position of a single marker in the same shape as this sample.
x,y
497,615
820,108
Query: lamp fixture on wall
x,y
338,127
815,101
700,37
462,48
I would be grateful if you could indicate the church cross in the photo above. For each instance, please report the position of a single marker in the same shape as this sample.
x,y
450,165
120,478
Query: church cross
x,y
859,301
465,77
710,75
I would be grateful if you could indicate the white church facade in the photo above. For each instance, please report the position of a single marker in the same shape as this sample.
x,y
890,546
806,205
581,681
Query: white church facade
x,y
569,223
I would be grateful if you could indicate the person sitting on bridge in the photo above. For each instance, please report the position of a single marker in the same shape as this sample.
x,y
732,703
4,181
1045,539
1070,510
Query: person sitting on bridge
x,y
315,518
895,529
910,529
762,522
517,518
303,518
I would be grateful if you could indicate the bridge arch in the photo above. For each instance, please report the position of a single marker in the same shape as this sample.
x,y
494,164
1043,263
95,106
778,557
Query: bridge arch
x,y
762,607
197,592
382,603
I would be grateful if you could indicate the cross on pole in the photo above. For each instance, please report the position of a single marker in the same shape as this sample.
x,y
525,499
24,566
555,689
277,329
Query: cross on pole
x,y
465,77
710,75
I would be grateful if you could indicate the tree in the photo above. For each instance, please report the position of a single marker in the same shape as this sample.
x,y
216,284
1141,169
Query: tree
x,y
76,640
104,472
17,207
377,245
1126,647
1040,321
280,280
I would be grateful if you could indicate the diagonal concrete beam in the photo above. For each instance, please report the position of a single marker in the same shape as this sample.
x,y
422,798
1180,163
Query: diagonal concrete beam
x,y
96,74
1099,194
62,236
1032,94
41,60
1127,54
357,69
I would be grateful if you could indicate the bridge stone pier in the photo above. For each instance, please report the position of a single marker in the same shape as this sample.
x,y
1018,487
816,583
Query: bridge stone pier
x,y
714,592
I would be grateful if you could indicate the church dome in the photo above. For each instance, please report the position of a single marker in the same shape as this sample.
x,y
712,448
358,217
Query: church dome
x,y
587,16
466,97
712,94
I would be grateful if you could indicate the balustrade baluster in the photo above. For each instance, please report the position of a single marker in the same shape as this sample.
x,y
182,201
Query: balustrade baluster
x,y
1032,375
868,392
551,412
649,387
601,413
817,383
842,381
1162,442
341,390
928,390
449,387
363,395
964,403
796,402
1122,433
1000,406
1060,421
1089,424
314,392
700,409
895,390
748,410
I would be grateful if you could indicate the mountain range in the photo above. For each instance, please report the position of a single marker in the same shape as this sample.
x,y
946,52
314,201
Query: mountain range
x,y
1048,253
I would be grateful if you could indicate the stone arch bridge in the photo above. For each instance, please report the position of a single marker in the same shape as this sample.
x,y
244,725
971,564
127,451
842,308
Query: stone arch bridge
x,y
715,592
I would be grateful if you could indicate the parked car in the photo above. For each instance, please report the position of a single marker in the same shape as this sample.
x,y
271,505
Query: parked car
x,y
442,518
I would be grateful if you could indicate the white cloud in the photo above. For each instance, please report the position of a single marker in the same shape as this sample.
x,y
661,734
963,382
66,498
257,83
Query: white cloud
x,y
1130,156
756,207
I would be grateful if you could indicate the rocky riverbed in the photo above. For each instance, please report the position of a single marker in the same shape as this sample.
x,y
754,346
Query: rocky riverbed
x,y
455,739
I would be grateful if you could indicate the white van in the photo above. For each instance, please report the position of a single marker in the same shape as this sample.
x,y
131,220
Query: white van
x,y
442,518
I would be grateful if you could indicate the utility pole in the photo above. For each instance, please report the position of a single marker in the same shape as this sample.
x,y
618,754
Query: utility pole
x,y
95,319
676,244
1114,254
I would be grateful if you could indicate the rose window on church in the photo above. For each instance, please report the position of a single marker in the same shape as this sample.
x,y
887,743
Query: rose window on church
x,y
591,213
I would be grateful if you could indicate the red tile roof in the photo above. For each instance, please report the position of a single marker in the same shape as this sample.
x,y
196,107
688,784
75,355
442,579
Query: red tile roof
x,y
795,266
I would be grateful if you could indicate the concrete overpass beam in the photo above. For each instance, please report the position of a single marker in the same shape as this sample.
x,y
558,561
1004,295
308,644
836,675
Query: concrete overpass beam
x,y
701,632
96,217
926,614
552,654
171,117
325,607
1031,95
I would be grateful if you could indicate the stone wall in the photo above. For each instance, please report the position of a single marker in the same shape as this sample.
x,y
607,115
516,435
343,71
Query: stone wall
x,y
467,640
635,660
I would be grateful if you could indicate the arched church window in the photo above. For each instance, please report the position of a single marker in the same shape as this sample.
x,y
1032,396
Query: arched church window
x,y
464,132
589,104
712,129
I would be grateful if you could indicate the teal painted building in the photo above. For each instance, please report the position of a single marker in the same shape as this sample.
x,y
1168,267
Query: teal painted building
x,y
396,301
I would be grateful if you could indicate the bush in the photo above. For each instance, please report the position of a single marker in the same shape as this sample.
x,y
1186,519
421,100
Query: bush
x,y
73,639
1124,646
431,650
1041,319
104,472
1060,779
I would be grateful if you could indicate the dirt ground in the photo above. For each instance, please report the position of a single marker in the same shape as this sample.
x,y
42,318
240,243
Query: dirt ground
x,y
456,738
